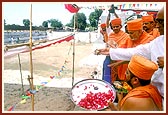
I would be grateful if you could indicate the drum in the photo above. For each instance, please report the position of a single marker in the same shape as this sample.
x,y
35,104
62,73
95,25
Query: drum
x,y
93,94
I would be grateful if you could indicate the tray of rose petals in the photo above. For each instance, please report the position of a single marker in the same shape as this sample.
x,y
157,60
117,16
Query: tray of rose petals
x,y
93,94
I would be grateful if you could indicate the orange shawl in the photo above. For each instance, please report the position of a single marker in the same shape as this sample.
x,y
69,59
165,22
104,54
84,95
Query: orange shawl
x,y
119,38
148,91
105,35
155,33
144,38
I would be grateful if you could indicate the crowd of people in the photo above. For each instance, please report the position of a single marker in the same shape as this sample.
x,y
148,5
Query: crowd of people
x,y
136,57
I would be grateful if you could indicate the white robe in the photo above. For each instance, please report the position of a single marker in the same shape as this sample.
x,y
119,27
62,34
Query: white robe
x,y
152,51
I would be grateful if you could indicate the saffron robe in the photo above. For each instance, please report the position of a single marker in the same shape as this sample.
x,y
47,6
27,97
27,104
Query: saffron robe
x,y
144,38
148,91
119,38
155,33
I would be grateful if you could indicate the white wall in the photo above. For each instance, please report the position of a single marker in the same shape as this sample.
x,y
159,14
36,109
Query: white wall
x,y
79,36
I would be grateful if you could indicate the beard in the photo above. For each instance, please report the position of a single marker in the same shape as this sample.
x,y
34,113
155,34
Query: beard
x,y
145,28
116,30
129,83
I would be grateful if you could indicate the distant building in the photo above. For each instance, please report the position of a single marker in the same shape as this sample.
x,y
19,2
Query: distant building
x,y
67,28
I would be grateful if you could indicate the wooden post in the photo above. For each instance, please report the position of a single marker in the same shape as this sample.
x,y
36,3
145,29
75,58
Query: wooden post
x,y
73,69
21,74
31,63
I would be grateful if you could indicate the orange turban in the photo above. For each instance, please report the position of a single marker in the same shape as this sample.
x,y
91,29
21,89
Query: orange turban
x,y
148,18
103,25
136,24
116,21
142,67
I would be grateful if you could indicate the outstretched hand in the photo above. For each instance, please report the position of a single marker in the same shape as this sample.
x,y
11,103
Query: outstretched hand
x,y
104,51
115,64
118,63
160,62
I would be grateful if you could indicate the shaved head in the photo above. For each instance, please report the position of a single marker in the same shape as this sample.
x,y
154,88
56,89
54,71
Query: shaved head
x,y
160,13
160,21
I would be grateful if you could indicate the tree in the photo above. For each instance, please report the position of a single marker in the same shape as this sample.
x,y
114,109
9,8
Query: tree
x,y
4,22
55,24
80,21
26,22
94,17
45,24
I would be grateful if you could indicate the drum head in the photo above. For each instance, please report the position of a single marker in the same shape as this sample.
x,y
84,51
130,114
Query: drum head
x,y
93,94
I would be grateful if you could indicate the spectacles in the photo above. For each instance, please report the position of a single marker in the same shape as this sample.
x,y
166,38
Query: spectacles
x,y
160,21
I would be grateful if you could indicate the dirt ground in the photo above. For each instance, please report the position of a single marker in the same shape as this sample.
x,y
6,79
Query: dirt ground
x,y
46,62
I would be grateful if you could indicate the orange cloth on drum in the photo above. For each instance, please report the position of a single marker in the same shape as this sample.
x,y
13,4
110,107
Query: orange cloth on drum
x,y
136,24
116,21
148,91
144,38
148,18
103,25
121,71
142,67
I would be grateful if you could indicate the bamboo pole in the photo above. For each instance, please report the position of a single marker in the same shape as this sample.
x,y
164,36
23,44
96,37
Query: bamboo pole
x,y
31,63
73,69
21,74
10,46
